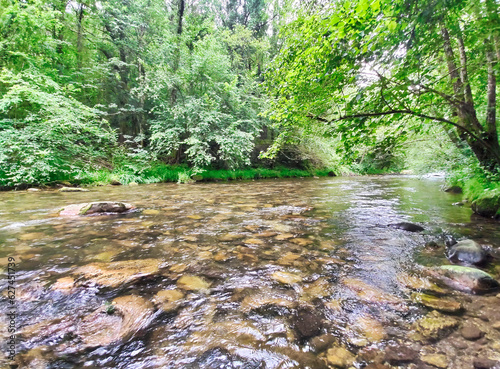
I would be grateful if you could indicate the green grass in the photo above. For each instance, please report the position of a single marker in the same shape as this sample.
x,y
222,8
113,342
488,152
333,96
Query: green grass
x,y
160,172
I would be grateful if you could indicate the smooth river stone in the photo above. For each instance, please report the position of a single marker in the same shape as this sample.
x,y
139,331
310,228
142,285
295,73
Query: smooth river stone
x,y
467,252
129,316
119,273
437,360
467,279
441,304
192,283
169,300
340,357
286,278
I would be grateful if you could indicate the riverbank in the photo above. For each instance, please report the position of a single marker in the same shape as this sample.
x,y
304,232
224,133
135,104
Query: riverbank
x,y
162,173
481,191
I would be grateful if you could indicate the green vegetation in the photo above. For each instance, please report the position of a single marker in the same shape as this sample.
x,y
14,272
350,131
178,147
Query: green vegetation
x,y
161,172
154,91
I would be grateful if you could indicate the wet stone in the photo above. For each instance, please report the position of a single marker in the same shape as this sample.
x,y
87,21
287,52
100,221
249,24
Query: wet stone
x,y
396,355
441,304
437,360
307,323
467,252
340,357
126,317
65,285
73,189
286,278
435,325
261,301
231,237
119,273
103,207
322,342
169,300
192,283
484,363
410,227
467,279
471,333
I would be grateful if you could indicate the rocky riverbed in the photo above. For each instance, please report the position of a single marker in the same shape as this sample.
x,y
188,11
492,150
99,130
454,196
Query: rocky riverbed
x,y
324,273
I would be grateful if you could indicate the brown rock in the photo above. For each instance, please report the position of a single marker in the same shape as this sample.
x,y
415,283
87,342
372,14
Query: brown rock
x,y
129,316
322,342
65,285
307,323
400,354
103,207
192,283
339,357
118,273
484,363
286,278
471,332
437,303
435,325
437,360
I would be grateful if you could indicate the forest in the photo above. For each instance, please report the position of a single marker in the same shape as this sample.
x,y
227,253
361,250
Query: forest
x,y
144,91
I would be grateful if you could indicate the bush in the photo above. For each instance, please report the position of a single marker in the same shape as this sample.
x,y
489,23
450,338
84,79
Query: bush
x,y
46,135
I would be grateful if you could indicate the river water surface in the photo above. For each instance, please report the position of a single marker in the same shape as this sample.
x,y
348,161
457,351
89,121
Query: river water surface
x,y
299,273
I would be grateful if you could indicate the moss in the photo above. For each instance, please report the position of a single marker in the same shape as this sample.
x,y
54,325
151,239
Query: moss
x,y
487,206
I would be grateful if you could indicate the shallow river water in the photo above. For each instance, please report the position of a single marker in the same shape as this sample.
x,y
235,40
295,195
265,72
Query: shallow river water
x,y
275,274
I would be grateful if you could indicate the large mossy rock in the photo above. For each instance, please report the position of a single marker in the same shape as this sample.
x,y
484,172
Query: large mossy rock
x,y
487,206
92,208
467,252
467,279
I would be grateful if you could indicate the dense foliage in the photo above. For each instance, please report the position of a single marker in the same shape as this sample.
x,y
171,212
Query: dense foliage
x,y
374,72
153,90
114,83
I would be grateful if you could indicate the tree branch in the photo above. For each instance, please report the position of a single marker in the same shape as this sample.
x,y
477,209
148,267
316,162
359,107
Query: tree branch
x,y
408,112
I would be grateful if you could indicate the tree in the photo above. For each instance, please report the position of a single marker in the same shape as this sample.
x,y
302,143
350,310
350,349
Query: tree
x,y
356,66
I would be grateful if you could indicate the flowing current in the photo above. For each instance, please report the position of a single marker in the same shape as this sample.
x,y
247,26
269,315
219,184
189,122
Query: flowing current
x,y
274,274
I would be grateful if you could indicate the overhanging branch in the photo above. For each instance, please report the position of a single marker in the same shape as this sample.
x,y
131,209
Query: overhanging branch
x,y
404,111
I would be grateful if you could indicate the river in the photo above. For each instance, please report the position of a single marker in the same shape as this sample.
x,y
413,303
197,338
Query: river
x,y
275,274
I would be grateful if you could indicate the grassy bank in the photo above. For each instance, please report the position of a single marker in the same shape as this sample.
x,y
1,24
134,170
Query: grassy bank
x,y
160,172
481,190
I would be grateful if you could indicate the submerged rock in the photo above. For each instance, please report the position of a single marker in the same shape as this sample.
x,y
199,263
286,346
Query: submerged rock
x,y
307,323
73,189
471,332
435,325
118,273
263,301
127,316
467,252
467,279
340,357
399,354
453,189
91,208
192,283
437,360
410,227
169,300
437,303
286,278
372,294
